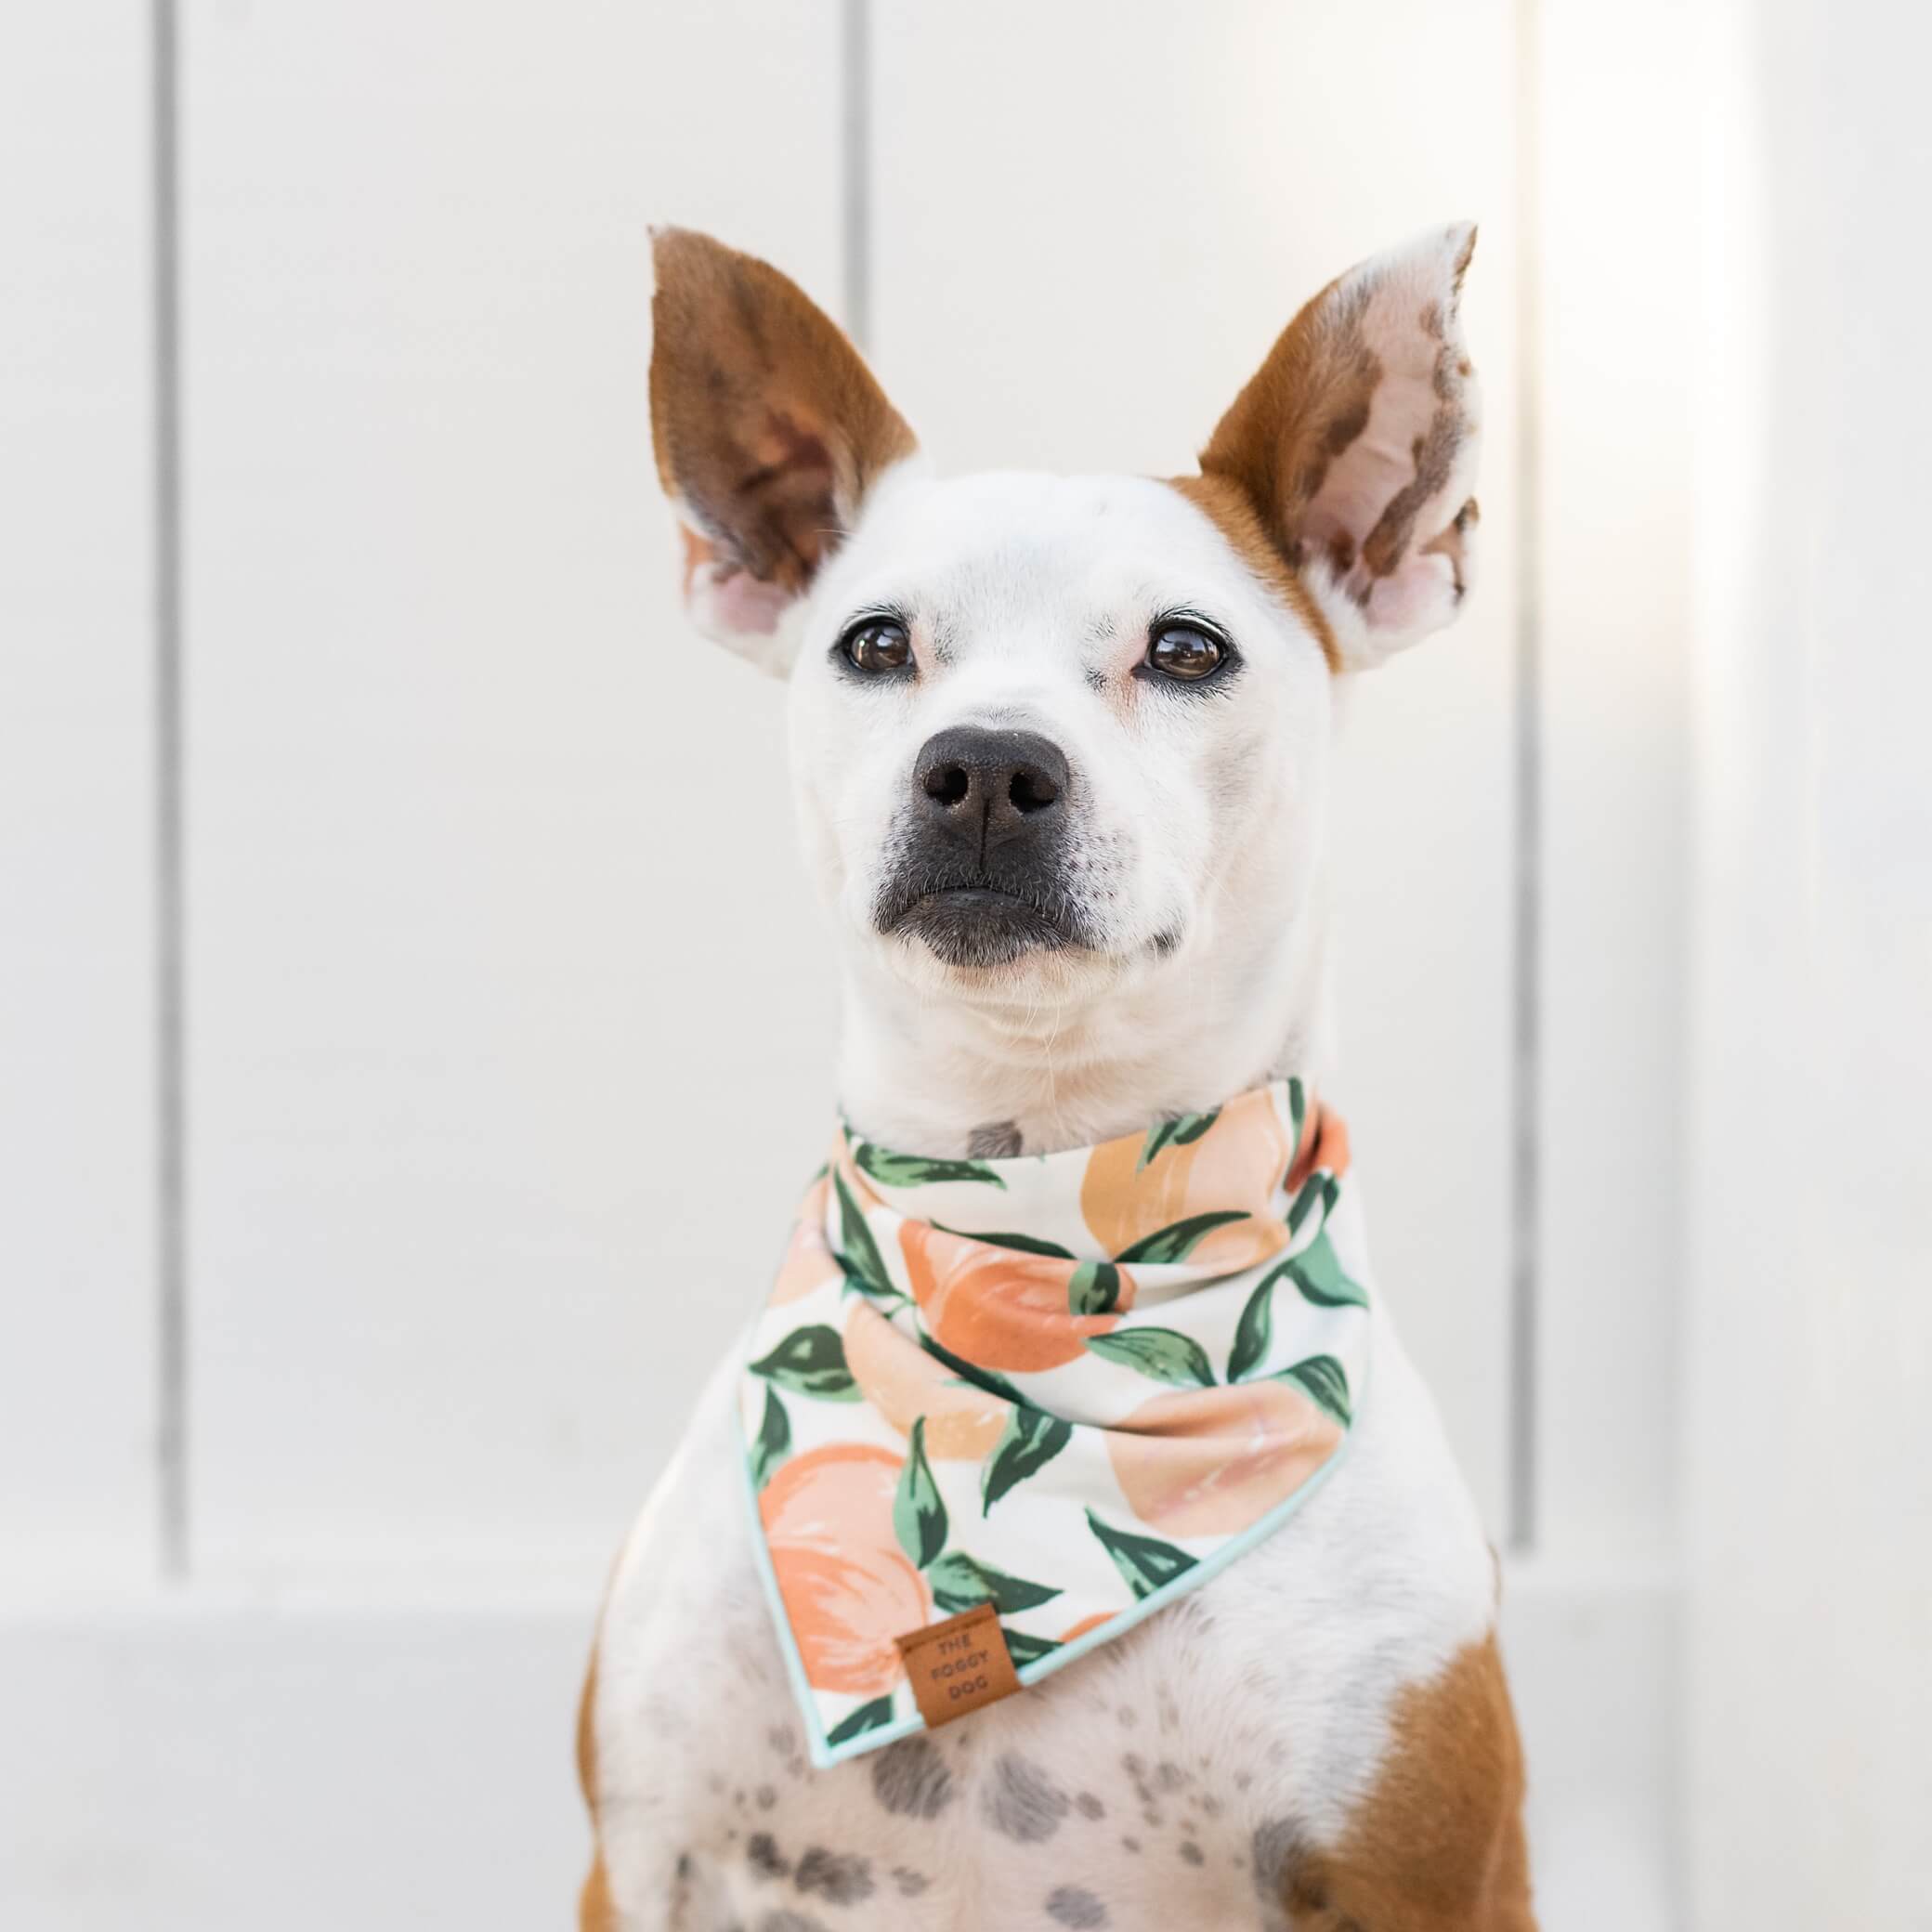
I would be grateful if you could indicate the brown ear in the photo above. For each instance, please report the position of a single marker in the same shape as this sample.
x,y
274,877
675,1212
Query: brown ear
x,y
1355,445
768,428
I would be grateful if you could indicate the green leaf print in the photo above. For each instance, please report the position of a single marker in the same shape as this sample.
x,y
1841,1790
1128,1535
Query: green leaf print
x,y
1319,1187
1024,1648
1255,1330
868,1717
1180,1131
1317,1273
884,1300
811,1361
1177,1242
861,1255
1023,1244
1164,1353
1031,1441
1145,1562
1298,1109
918,1515
773,1444
1094,1288
1325,1383
959,1581
990,1379
914,1171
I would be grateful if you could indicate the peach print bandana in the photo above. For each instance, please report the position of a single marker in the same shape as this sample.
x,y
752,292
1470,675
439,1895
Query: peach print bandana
x,y
1072,1386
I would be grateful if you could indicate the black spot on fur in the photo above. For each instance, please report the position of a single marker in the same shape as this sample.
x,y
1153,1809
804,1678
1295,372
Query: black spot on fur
x,y
1192,1854
1069,1905
767,1797
1088,1806
910,1883
789,1921
1277,1849
911,1779
999,1140
1022,1802
762,1855
1169,1776
840,1878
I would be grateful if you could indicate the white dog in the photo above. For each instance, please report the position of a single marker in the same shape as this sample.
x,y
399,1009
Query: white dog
x,y
1124,690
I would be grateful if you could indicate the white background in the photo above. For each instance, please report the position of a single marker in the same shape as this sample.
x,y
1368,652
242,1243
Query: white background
x,y
494,946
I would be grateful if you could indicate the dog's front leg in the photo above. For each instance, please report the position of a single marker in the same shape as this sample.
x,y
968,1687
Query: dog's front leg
x,y
684,1719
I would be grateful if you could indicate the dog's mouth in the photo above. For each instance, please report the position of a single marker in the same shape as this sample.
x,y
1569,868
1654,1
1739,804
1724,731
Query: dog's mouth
x,y
975,920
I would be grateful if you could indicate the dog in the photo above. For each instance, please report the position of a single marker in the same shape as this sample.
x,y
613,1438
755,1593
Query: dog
x,y
1127,688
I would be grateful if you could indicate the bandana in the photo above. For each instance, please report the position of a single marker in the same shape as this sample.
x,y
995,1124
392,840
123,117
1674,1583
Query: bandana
x,y
996,1411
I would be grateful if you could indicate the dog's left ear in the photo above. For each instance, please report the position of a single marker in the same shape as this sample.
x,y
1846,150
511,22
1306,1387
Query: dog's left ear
x,y
769,429
1355,445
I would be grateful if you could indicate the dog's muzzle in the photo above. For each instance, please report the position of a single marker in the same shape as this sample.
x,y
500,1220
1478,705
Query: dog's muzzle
x,y
979,878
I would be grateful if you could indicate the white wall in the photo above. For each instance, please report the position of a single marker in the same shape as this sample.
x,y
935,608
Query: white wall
x,y
77,1061
1810,1665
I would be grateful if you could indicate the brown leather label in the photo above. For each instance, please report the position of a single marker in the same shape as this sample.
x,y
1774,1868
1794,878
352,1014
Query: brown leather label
x,y
959,1665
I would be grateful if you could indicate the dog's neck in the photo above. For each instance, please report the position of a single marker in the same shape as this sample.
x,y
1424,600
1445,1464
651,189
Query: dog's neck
x,y
927,1075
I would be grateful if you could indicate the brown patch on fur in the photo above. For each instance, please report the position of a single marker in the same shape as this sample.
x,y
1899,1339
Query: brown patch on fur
x,y
1450,543
1434,456
595,1910
767,425
1228,507
1304,407
1438,1845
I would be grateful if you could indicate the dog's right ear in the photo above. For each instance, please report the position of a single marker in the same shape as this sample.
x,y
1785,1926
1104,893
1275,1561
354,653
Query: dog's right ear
x,y
769,430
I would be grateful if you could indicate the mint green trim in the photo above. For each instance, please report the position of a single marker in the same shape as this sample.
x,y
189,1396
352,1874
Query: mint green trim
x,y
1204,1570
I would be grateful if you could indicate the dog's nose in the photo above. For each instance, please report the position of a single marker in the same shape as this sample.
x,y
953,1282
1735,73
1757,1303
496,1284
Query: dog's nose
x,y
990,787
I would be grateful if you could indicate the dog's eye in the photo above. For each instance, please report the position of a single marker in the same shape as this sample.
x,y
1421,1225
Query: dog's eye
x,y
877,643
1185,652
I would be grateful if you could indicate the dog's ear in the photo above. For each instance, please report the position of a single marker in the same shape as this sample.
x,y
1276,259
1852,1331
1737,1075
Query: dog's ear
x,y
1355,446
768,429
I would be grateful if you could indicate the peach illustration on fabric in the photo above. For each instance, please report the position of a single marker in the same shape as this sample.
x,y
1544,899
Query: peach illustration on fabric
x,y
1209,1462
998,1307
904,1383
809,1262
847,1587
1237,1164
1087,1624
1324,1143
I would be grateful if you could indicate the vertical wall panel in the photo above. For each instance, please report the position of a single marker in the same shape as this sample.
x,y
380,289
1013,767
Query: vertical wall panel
x,y
1617,249
1810,1293
509,1056
77,824
1086,238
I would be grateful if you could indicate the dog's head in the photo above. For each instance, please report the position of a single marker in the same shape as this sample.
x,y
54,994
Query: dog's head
x,y
1056,735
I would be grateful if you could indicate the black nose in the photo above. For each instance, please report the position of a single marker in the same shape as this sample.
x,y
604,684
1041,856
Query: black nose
x,y
990,787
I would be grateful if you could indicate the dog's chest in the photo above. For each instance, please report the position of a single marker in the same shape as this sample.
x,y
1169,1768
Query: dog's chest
x,y
1162,1779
